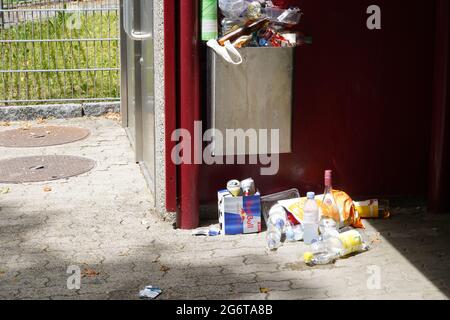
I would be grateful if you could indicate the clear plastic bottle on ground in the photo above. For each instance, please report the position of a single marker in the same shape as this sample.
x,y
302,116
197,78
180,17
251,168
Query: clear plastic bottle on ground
x,y
277,217
276,225
328,228
310,219
273,237
293,232
326,251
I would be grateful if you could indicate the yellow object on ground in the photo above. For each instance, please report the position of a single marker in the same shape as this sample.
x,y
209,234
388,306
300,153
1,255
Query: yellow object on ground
x,y
371,209
347,215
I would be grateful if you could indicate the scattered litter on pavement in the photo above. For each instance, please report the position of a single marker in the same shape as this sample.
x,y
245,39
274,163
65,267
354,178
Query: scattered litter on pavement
x,y
5,190
328,223
372,209
264,290
268,201
332,247
47,189
239,210
343,213
150,292
207,232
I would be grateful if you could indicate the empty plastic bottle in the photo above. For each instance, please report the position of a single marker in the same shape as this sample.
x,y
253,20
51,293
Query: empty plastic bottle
x,y
275,226
277,217
326,251
328,228
310,219
294,232
273,237
232,8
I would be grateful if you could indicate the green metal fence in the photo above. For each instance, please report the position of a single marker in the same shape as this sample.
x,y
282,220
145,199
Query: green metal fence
x,y
59,51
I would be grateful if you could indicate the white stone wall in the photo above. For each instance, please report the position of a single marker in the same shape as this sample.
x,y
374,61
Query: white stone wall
x,y
160,170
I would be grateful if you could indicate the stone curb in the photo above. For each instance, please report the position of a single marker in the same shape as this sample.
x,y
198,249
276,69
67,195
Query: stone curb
x,y
58,111
96,109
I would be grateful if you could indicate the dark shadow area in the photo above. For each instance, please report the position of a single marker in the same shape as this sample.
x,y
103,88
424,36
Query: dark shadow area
x,y
184,271
423,239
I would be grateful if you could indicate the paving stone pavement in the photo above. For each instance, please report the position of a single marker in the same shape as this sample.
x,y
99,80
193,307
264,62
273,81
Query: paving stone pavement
x,y
102,223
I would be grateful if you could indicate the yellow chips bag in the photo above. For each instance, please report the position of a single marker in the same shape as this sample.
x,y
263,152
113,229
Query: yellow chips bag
x,y
347,215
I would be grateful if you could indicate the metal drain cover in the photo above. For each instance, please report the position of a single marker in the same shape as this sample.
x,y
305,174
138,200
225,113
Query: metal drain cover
x,y
41,136
43,168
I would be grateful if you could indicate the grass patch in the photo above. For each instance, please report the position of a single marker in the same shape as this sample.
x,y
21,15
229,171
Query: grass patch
x,y
58,55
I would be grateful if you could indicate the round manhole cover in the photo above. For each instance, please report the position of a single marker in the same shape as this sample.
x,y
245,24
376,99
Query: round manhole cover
x,y
43,168
41,136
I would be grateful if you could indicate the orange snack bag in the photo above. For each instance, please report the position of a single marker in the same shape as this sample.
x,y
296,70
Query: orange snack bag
x,y
346,216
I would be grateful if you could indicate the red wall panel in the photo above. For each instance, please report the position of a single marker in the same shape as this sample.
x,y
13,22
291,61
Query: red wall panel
x,y
362,103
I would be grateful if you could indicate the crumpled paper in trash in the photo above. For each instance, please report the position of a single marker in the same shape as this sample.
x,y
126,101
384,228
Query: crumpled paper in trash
x,y
150,292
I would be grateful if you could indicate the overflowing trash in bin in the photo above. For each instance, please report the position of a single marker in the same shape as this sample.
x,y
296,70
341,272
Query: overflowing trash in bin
x,y
244,23
330,224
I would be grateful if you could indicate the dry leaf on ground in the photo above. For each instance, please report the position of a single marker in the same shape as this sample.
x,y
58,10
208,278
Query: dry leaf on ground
x,y
89,273
263,290
164,268
47,189
5,124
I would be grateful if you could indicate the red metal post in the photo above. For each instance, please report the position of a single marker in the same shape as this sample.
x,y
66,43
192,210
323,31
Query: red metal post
x,y
189,110
170,87
438,185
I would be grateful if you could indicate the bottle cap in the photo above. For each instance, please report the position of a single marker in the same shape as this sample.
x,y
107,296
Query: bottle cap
x,y
308,256
310,195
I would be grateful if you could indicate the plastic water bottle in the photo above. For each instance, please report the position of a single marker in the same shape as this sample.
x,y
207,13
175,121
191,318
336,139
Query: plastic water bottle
x,y
273,238
294,232
326,251
310,219
277,217
275,226
232,8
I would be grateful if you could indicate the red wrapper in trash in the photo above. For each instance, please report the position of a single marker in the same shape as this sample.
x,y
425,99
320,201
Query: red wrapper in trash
x,y
284,3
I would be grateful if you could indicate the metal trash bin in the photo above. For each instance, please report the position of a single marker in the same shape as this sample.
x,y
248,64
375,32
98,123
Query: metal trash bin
x,y
256,94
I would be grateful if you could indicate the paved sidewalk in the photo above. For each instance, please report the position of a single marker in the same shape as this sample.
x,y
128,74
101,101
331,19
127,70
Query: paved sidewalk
x,y
102,222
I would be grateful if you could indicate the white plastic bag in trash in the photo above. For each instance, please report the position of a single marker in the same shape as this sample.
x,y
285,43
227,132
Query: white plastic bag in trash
x,y
228,52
